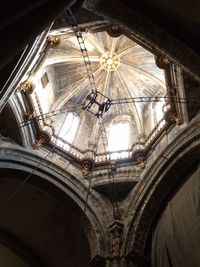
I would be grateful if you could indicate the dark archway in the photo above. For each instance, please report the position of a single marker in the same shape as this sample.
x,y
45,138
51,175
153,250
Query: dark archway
x,y
46,222
8,126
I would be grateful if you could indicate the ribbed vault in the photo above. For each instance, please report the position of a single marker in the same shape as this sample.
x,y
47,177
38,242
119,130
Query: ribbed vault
x,y
121,69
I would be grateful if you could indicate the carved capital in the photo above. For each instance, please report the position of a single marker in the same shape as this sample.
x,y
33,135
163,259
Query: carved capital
x,y
162,62
29,115
172,117
86,167
38,142
114,31
25,87
53,40
140,157
141,161
44,137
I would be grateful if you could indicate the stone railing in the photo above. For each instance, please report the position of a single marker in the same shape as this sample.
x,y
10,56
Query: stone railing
x,y
120,154
155,132
63,144
111,155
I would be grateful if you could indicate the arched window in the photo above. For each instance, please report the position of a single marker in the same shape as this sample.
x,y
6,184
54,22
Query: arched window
x,y
69,128
119,136
158,111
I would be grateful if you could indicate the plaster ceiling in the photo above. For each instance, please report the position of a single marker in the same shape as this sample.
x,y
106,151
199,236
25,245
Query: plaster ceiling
x,y
121,69
136,74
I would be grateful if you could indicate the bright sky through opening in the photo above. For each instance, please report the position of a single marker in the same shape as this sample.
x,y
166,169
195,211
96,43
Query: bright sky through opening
x,y
69,128
119,136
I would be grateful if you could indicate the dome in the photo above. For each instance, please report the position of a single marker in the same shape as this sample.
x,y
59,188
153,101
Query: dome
x,y
79,91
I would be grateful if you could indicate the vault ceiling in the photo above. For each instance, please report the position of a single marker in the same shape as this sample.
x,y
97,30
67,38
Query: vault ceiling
x,y
121,69
135,75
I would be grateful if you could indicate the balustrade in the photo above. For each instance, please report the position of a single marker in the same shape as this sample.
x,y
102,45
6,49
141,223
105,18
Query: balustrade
x,y
154,133
114,155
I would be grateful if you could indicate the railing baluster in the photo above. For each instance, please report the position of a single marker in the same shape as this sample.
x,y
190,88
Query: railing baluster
x,y
102,157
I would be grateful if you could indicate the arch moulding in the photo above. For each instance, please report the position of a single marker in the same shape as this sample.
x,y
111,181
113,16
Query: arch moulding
x,y
157,182
33,165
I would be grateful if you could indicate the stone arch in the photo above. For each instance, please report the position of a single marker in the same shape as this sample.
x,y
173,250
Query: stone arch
x,y
14,250
17,107
159,179
9,125
17,159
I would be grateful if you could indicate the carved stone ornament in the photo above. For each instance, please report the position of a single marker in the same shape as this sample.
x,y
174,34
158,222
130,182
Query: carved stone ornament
x,y
162,62
29,115
171,116
87,165
141,161
140,157
109,61
44,137
116,246
114,31
116,240
39,142
25,87
53,40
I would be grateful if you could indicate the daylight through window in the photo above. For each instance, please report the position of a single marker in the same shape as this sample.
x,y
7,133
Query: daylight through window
x,y
119,136
69,128
159,111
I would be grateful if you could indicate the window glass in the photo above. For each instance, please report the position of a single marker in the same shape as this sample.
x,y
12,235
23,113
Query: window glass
x,y
119,136
44,80
69,127
159,111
